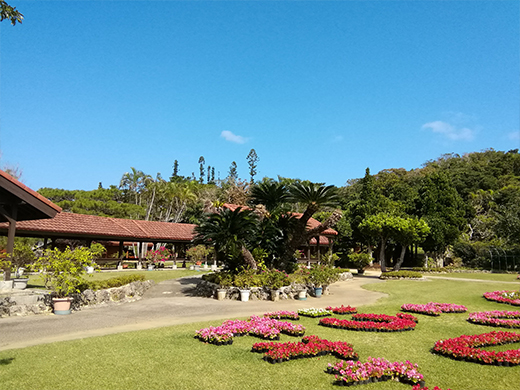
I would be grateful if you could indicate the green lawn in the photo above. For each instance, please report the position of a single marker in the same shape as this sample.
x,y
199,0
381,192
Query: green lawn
x,y
35,281
170,358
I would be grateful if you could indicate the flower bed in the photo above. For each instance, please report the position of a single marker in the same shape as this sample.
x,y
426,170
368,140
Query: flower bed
x,y
348,373
310,346
465,348
418,387
434,308
510,297
505,319
314,313
263,327
372,323
342,309
283,314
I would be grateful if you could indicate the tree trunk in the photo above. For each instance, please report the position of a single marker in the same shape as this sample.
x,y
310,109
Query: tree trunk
x,y
382,254
248,257
397,266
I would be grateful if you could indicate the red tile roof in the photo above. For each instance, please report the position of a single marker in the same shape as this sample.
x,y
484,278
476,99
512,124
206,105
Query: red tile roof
x,y
68,225
29,191
29,204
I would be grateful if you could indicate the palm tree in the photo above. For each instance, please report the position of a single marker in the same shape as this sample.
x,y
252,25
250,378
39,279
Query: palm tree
x,y
315,197
270,193
230,233
133,182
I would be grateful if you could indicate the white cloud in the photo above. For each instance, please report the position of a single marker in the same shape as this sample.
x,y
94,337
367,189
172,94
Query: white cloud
x,y
451,132
229,136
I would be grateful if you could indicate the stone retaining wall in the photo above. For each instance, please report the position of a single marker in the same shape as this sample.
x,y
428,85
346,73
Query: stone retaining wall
x,y
209,290
27,302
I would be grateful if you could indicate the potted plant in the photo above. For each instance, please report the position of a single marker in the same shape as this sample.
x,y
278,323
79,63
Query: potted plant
x,y
244,280
320,275
5,264
276,279
225,281
301,277
157,258
63,272
360,261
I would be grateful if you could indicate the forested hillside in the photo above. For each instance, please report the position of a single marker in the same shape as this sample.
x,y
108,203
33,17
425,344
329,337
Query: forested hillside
x,y
455,208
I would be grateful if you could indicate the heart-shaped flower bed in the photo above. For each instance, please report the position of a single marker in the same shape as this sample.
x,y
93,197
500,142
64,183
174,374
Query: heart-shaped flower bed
x,y
434,308
505,319
373,322
466,348
311,346
342,309
510,297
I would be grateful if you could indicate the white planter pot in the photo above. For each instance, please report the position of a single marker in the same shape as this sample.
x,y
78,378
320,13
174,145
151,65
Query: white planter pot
x,y
20,283
221,294
6,285
174,266
90,270
244,295
139,266
302,295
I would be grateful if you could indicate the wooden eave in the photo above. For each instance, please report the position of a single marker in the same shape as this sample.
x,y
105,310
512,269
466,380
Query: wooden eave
x,y
28,203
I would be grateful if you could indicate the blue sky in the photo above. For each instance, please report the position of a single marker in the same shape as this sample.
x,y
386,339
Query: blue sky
x,y
320,89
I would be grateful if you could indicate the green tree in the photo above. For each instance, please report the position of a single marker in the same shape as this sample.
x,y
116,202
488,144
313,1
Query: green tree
x,y
201,169
230,233
233,173
381,227
252,160
133,183
270,193
10,13
407,231
440,205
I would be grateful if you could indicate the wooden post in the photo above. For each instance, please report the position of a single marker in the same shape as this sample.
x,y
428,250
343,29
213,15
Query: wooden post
x,y
11,217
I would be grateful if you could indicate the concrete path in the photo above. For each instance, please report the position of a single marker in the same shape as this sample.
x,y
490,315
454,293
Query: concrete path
x,y
467,279
168,303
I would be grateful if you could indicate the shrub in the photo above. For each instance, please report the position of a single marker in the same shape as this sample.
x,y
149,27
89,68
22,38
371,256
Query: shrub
x,y
110,283
360,260
63,271
401,274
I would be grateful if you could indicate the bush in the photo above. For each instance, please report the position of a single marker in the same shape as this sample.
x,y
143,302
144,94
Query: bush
x,y
110,283
276,279
401,274
360,260
63,271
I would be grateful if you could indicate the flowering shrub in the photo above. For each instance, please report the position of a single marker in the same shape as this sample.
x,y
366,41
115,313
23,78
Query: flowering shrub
x,y
434,308
374,370
511,297
313,312
465,348
283,314
506,319
311,346
418,387
158,256
372,323
342,309
264,327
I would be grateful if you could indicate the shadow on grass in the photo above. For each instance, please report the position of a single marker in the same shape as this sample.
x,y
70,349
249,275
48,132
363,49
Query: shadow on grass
x,y
5,362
